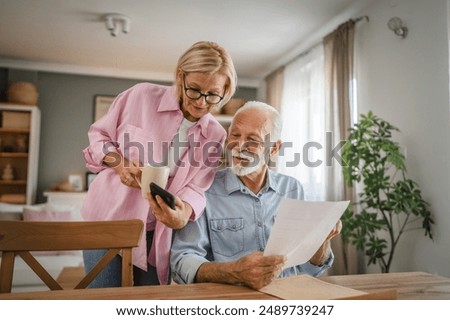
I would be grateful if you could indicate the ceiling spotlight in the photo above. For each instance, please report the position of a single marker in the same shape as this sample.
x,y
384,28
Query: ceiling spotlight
x,y
396,24
115,21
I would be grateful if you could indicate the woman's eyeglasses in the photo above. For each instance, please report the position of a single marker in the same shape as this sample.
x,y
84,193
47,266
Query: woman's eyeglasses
x,y
195,94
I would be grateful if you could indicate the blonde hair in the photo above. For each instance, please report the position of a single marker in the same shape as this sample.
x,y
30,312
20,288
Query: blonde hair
x,y
210,58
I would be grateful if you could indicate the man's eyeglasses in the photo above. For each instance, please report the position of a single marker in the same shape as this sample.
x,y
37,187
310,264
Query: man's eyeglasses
x,y
250,145
195,94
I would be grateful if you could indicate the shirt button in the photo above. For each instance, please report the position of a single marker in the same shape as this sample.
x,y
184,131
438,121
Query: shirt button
x,y
234,226
259,224
257,200
219,228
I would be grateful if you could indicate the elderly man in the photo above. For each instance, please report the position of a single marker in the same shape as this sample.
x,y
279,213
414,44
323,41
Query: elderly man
x,y
225,244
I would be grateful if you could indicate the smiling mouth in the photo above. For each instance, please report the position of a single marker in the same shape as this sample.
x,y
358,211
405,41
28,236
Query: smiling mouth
x,y
240,156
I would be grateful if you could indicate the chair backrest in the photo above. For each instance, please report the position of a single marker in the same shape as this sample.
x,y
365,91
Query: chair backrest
x,y
21,237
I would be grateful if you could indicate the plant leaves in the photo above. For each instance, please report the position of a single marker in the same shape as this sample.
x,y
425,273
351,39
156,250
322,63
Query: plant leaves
x,y
371,156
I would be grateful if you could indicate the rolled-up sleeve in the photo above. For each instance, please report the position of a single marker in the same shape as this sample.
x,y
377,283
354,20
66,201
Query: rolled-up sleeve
x,y
190,250
103,136
309,268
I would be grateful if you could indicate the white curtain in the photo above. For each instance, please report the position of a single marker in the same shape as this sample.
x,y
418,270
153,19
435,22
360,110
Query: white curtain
x,y
316,105
304,119
274,88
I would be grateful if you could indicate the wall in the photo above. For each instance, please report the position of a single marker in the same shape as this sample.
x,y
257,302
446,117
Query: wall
x,y
66,103
406,82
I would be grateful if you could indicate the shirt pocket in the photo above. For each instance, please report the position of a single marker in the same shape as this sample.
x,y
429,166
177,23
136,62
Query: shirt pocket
x,y
227,236
138,144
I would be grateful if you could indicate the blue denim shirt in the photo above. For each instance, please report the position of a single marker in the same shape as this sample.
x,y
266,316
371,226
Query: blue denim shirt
x,y
236,222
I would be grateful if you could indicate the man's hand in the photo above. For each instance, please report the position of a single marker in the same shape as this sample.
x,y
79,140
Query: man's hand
x,y
257,271
253,270
323,253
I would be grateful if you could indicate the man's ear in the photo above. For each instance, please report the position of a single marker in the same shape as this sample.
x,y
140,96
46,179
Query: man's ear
x,y
275,148
273,153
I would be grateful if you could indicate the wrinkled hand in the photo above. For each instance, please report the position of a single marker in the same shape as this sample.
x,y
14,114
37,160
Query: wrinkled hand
x,y
335,231
175,219
256,271
324,250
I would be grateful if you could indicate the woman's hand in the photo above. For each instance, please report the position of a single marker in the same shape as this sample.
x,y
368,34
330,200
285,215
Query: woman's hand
x,y
127,170
130,175
175,219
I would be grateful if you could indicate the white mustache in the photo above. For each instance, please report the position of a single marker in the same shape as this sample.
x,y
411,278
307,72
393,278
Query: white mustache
x,y
242,155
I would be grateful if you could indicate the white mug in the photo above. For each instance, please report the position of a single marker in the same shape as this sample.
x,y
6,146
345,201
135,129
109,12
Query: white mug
x,y
158,175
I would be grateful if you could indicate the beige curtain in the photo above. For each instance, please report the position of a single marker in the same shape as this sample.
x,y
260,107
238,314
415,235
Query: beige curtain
x,y
338,51
274,88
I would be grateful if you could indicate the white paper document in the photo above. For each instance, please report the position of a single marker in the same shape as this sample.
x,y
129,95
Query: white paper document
x,y
301,227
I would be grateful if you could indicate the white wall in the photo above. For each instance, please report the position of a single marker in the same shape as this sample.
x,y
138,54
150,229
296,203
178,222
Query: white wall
x,y
406,82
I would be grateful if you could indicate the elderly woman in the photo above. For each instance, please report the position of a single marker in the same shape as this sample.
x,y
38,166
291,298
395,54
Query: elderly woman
x,y
151,123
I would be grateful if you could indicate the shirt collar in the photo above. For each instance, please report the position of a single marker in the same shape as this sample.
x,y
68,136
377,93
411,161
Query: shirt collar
x,y
233,183
271,182
169,102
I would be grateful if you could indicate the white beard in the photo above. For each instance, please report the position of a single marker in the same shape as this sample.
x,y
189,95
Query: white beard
x,y
241,170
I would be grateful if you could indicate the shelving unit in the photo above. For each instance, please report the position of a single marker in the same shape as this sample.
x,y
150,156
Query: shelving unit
x,y
19,122
225,121
223,118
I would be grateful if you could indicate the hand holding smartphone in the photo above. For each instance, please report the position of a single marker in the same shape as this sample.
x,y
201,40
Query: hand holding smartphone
x,y
168,198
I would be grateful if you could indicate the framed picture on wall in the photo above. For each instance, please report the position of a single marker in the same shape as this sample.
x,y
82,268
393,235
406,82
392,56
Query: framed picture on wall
x,y
89,178
76,182
101,105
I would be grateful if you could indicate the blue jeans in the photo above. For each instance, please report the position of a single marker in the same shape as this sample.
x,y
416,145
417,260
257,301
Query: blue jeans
x,y
111,276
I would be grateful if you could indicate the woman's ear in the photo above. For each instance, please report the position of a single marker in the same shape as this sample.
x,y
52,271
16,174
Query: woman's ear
x,y
179,78
179,84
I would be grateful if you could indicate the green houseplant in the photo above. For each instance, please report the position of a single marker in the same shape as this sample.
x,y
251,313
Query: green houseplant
x,y
390,203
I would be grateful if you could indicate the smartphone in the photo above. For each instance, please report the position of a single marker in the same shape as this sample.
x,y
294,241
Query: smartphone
x,y
168,198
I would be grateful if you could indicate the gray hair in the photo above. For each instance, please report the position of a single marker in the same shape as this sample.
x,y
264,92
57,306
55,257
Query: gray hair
x,y
275,117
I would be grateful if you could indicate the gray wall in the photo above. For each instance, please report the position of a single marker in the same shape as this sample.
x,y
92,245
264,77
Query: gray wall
x,y
406,82
66,104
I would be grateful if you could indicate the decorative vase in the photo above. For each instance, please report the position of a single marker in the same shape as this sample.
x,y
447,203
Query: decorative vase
x,y
8,173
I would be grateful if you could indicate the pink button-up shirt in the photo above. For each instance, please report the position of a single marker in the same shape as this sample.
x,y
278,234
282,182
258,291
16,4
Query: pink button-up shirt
x,y
140,124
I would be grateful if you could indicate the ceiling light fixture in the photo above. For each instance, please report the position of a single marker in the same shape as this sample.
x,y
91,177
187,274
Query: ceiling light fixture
x,y
114,21
397,25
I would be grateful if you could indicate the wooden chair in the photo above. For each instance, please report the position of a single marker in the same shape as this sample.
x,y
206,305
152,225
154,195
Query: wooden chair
x,y
21,237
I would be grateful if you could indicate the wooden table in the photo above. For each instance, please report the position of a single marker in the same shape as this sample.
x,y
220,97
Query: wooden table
x,y
409,285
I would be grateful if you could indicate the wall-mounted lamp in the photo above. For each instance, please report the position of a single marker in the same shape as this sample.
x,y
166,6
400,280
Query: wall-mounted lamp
x,y
114,21
396,24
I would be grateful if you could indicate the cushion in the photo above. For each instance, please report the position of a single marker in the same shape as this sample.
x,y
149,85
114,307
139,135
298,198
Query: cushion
x,y
47,212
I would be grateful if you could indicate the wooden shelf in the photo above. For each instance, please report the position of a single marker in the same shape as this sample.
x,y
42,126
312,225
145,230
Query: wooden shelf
x,y
13,182
14,130
223,118
13,155
15,126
